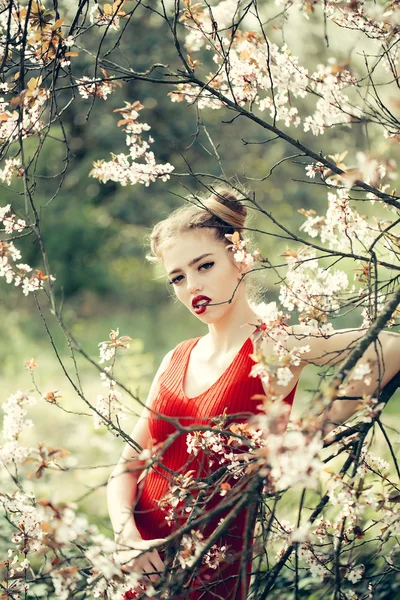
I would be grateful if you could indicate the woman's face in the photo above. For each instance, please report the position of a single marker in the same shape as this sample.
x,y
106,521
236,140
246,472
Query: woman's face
x,y
203,274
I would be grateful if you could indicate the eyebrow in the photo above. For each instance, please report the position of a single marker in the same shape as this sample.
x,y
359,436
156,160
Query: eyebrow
x,y
191,263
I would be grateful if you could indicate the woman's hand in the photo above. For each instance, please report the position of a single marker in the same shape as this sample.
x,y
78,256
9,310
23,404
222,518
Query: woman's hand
x,y
141,556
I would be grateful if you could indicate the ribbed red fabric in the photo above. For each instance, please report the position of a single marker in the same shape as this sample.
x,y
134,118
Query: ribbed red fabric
x,y
231,394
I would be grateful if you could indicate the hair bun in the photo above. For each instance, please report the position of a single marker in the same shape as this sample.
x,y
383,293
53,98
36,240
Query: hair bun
x,y
222,212
227,206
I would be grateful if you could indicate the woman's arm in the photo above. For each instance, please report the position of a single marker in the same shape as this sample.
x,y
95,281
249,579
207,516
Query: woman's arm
x,y
123,481
382,358
333,348
378,365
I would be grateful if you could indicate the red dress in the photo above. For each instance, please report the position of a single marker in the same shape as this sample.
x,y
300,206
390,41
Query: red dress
x,y
232,393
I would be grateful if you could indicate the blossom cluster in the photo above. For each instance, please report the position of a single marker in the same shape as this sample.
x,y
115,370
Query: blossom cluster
x,y
351,500
43,526
315,292
290,455
376,22
14,421
102,88
108,15
333,106
342,226
193,545
25,514
379,24
109,347
110,405
180,496
255,68
230,447
240,253
26,122
312,549
13,271
283,458
273,358
293,459
12,166
31,519
215,556
201,23
45,42
261,73
10,221
139,165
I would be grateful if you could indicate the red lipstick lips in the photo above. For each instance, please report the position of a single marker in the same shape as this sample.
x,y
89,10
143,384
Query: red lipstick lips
x,y
200,304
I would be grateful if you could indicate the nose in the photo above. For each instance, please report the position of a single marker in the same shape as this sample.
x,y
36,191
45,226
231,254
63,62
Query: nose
x,y
193,285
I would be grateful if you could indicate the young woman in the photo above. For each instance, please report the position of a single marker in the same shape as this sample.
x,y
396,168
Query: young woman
x,y
199,380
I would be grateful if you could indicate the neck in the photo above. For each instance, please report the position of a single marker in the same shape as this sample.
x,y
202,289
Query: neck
x,y
234,329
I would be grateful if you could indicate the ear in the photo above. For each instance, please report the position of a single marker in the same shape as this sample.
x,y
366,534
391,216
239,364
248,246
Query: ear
x,y
243,268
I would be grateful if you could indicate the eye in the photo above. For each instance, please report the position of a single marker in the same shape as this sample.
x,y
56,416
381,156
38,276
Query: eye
x,y
176,280
206,266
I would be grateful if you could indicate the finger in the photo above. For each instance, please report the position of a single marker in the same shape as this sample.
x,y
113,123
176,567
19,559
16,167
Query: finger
x,y
149,571
155,573
157,562
132,567
132,564
127,565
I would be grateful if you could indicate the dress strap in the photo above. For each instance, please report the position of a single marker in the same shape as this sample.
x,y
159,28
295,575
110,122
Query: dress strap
x,y
182,350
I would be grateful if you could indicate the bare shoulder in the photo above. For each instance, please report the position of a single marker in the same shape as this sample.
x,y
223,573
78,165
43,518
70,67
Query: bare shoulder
x,y
165,363
167,358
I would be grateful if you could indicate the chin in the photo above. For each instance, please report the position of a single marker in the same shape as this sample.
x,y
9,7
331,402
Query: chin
x,y
209,319
204,317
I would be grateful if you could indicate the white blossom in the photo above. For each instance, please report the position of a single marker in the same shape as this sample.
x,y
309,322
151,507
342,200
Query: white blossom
x,y
126,168
294,459
12,451
14,420
355,574
284,376
11,167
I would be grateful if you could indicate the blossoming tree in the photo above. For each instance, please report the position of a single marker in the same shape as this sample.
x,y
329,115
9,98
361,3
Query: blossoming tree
x,y
232,57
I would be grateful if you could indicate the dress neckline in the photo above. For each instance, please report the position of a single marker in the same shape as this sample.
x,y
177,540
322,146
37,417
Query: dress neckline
x,y
217,381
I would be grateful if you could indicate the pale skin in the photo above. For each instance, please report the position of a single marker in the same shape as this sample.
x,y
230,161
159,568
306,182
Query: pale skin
x,y
199,264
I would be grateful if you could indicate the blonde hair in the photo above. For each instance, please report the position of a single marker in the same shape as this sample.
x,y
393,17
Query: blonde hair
x,y
222,211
